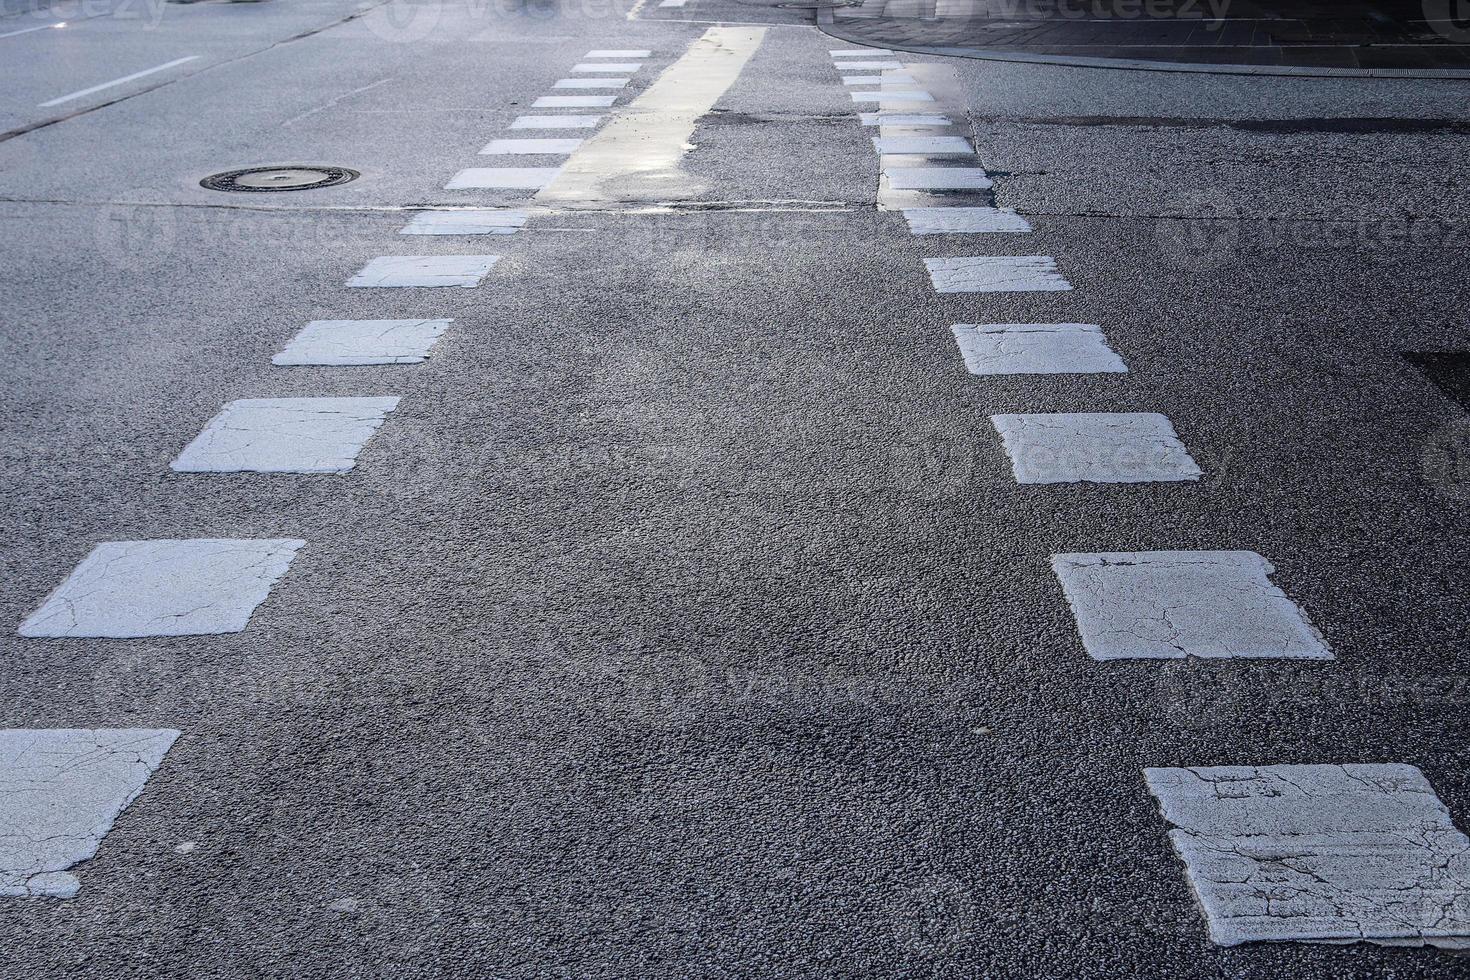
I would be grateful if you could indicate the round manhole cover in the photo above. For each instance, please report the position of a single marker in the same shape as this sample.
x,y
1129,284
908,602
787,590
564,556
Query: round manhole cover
x,y
278,178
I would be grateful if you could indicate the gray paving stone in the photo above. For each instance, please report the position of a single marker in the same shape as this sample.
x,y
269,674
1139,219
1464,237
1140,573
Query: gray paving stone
x,y
465,221
965,221
400,271
349,342
1094,447
1036,348
60,792
996,274
1319,853
285,435
1174,604
193,587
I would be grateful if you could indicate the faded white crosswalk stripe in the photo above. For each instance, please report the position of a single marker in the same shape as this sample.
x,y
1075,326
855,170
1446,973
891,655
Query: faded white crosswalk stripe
x,y
937,178
1036,348
996,274
556,122
1319,853
465,221
61,791
350,342
574,102
399,271
1175,604
1094,447
192,587
590,83
965,221
285,435
503,178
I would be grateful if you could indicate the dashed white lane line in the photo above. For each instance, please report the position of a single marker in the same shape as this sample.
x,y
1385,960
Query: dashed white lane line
x,y
555,122
892,95
1172,604
397,271
1319,853
1095,447
904,119
616,67
530,147
61,790
285,435
192,587
349,342
934,146
32,30
465,221
1036,348
503,178
574,102
565,83
965,221
937,178
617,53
641,150
868,66
996,274
119,81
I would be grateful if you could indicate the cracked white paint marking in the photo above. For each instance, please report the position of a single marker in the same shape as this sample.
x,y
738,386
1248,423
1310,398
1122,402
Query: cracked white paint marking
x,y
195,587
396,271
556,122
965,221
60,792
937,178
1175,604
1036,348
285,435
1094,447
346,342
617,53
502,178
867,66
892,95
996,274
934,146
608,66
1319,853
904,119
574,102
591,83
639,154
531,146
465,221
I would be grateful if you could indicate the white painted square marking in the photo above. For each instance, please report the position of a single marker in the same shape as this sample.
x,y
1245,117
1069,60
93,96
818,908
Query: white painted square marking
x,y
1094,447
672,3
1176,604
937,178
556,122
996,274
395,271
892,95
934,146
510,147
348,342
964,221
607,66
1319,853
904,119
61,790
591,83
502,178
617,53
196,587
574,102
285,435
465,221
857,52
887,78
867,66
1036,348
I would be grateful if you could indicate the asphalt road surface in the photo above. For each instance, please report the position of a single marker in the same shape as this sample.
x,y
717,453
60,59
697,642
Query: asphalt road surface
x,y
684,616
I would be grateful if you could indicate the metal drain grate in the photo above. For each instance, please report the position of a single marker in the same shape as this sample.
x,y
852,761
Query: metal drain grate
x,y
1448,369
289,178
